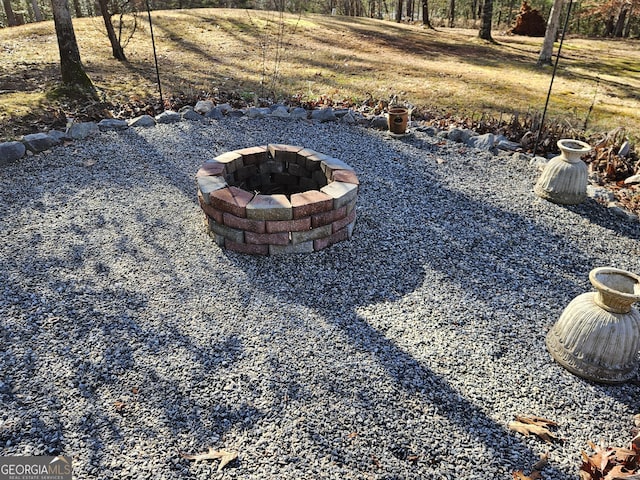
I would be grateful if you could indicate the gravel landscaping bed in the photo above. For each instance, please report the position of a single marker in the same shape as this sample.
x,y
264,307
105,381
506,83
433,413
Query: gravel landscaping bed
x,y
128,336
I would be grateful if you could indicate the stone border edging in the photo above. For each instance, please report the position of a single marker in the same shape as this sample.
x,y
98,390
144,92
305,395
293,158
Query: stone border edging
x,y
321,213
206,111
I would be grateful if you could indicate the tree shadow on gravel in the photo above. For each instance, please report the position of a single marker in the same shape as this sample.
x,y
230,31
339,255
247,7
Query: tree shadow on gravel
x,y
598,214
73,370
462,258
485,254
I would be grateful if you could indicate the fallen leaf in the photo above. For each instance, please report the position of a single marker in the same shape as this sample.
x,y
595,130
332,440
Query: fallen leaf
x,y
519,475
543,422
623,455
601,458
119,406
540,464
224,456
226,459
529,428
616,473
611,463
584,475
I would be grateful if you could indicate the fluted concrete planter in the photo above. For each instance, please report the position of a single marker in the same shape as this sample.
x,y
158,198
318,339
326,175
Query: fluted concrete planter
x,y
598,334
564,179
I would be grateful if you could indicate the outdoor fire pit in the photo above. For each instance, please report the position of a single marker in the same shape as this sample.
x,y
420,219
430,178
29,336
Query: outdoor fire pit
x,y
277,199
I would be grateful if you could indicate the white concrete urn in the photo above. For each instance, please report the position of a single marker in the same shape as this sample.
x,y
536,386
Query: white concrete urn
x,y
598,334
564,179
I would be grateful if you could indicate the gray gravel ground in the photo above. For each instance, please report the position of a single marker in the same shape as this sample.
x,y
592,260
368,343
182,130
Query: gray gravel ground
x,y
422,337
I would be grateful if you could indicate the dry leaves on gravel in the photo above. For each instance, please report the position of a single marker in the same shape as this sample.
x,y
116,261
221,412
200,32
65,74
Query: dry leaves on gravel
x,y
535,425
612,463
224,456
535,470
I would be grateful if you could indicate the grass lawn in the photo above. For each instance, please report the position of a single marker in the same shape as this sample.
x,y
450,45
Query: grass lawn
x,y
211,52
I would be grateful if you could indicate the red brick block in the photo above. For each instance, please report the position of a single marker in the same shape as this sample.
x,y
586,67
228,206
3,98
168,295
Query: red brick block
x,y
340,224
330,240
351,205
309,235
250,248
346,176
219,239
257,226
311,159
299,225
284,153
306,247
281,238
211,168
232,160
232,200
209,210
270,207
212,213
253,155
309,203
326,218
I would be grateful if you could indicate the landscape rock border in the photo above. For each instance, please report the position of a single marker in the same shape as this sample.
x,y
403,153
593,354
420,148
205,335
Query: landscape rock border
x,y
318,213
207,111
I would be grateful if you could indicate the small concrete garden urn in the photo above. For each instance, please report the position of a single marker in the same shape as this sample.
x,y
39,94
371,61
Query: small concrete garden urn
x,y
564,179
397,119
597,336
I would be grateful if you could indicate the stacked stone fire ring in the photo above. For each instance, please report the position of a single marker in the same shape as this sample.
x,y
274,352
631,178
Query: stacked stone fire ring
x,y
277,199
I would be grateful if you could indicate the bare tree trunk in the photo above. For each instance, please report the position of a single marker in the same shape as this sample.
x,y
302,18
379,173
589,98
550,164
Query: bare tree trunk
x,y
425,14
11,18
620,22
485,27
399,11
510,16
116,48
627,29
71,69
452,13
36,10
77,9
550,35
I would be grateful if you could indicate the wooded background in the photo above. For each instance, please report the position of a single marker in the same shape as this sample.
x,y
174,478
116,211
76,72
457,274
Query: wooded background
x,y
604,18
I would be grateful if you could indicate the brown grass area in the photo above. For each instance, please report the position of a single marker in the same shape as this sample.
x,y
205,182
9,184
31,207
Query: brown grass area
x,y
211,52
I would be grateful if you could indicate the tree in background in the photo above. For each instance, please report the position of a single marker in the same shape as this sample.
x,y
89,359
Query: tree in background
x,y
550,34
116,46
485,26
71,69
425,14
11,18
591,17
611,18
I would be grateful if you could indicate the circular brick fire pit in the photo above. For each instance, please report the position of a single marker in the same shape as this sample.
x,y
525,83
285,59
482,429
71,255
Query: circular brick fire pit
x,y
277,199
